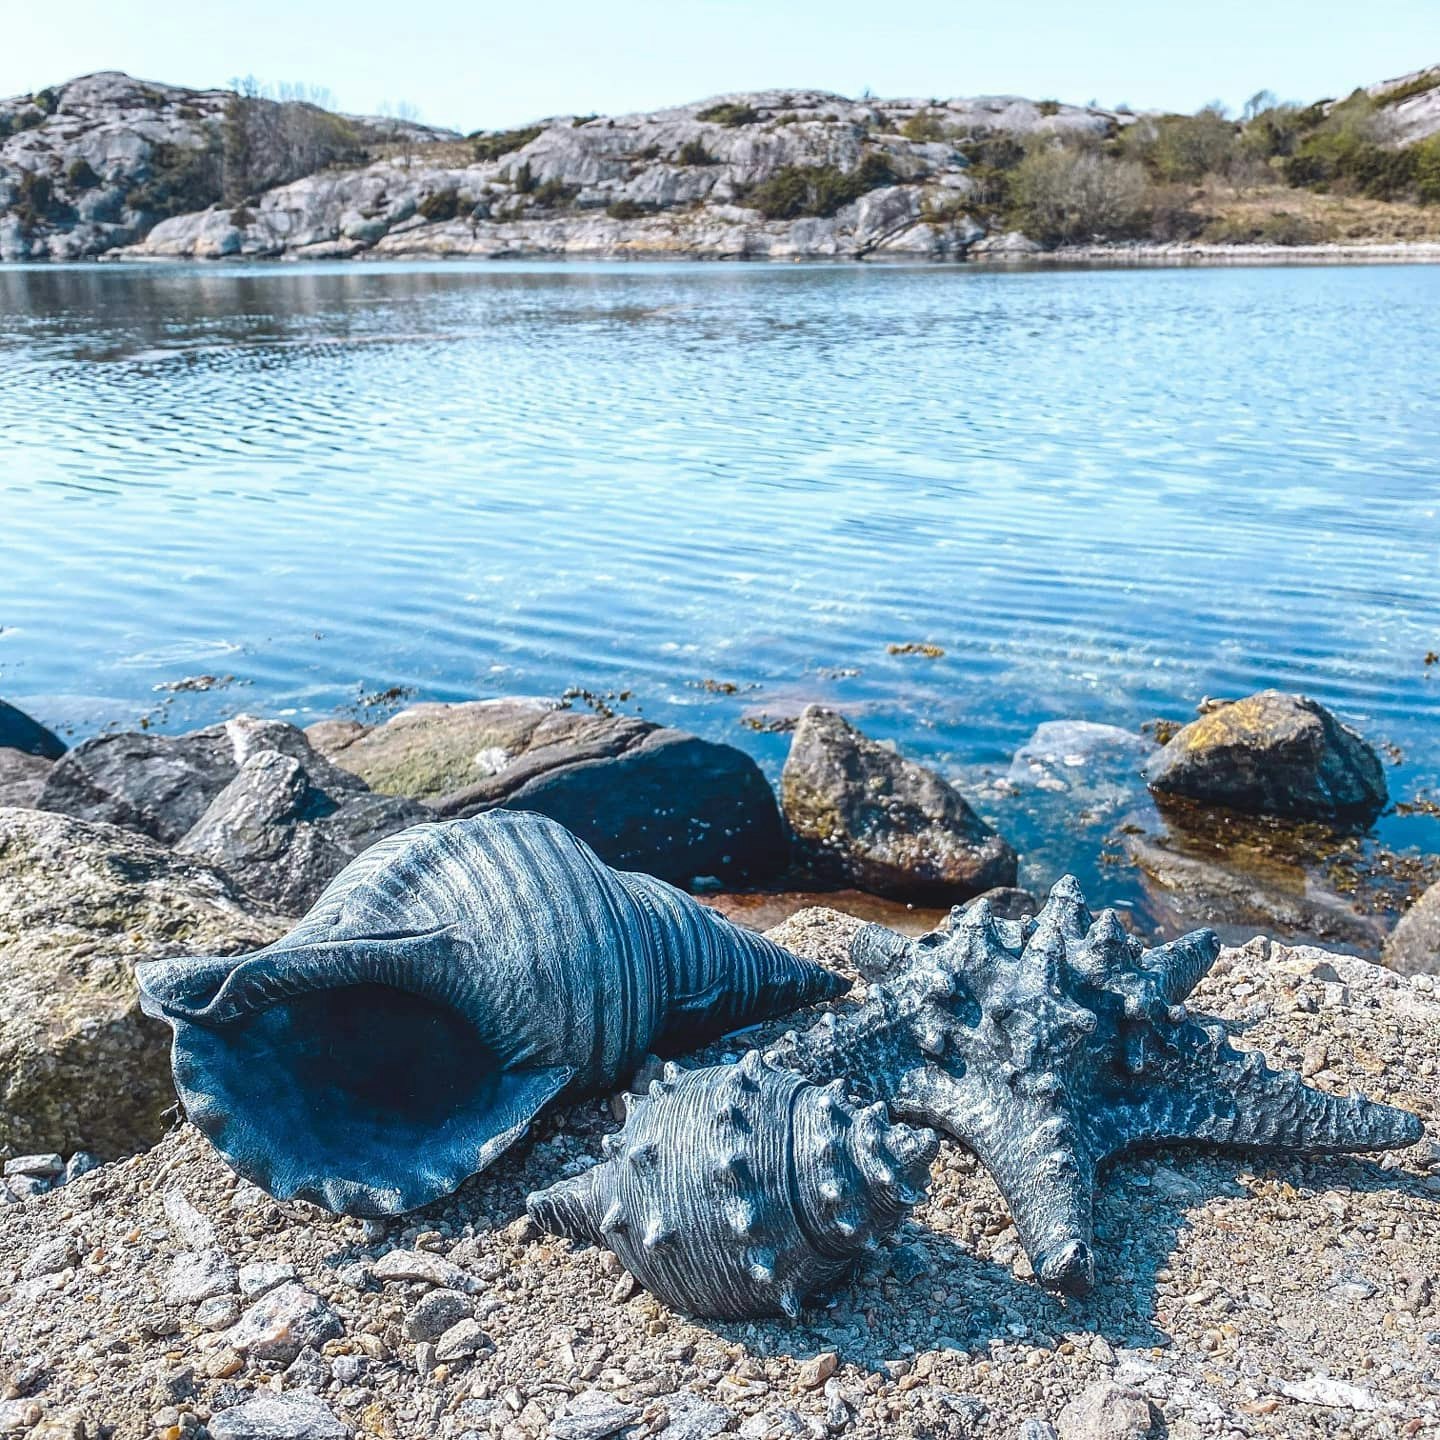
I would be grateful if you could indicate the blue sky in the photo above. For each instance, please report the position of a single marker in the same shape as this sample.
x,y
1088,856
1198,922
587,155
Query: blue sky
x,y
469,63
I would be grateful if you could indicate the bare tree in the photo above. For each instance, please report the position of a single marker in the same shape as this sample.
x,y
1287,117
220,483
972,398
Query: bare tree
x,y
1073,192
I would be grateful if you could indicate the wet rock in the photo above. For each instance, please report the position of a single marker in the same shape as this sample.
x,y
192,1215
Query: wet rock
x,y
864,816
1272,754
282,1323
19,732
267,1416
1184,890
156,784
1106,1411
644,797
80,1066
22,777
1413,947
283,838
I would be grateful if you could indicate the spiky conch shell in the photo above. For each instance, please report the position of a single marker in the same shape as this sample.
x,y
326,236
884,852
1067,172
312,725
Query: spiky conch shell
x,y
737,1191
451,981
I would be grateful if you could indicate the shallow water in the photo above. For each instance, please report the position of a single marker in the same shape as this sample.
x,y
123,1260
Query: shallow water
x,y
1105,494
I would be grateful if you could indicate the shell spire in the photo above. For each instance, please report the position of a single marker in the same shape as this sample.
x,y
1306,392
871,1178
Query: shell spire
x,y
449,984
766,1187
1047,1046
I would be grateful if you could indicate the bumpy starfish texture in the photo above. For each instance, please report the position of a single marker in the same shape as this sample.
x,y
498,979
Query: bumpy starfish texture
x,y
1047,1045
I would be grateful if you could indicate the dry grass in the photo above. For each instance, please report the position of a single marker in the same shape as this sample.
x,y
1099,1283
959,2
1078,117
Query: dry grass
x,y
1349,218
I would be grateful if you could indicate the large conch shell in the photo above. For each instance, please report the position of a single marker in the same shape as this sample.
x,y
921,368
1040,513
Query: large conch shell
x,y
452,981
736,1192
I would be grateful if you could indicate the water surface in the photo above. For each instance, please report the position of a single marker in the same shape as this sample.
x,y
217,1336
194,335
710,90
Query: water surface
x,y
1104,494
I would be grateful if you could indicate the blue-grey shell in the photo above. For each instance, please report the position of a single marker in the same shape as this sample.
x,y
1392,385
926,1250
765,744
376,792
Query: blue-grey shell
x,y
737,1191
451,981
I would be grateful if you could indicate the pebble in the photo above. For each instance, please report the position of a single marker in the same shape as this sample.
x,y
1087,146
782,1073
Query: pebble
x,y
308,1371
815,1372
268,1416
434,1313
199,1275
282,1323
51,1257
26,1187
257,1278
191,1228
694,1418
219,1312
429,1269
1035,1430
460,1340
592,1415
1106,1411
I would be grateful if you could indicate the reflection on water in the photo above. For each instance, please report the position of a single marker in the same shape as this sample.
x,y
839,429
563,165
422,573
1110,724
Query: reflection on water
x,y
1103,494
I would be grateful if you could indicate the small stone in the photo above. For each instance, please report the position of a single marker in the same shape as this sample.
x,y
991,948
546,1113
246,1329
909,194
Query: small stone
x,y
283,1322
219,1312
27,1187
425,1360
45,1167
347,1369
815,1372
592,1415
189,1225
1035,1430
624,1288
18,1415
435,1312
1106,1411
460,1340
224,1365
179,1383
255,1279
307,1371
778,1424
51,1257
428,1269
693,1418
1323,1390
268,1416
200,1275
82,1162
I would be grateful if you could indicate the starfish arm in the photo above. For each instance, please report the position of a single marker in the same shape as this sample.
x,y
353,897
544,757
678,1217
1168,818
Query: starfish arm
x,y
1236,1099
1039,1163
1182,964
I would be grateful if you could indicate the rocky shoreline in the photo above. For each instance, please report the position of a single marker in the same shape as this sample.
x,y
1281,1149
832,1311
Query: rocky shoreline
x,y
156,1295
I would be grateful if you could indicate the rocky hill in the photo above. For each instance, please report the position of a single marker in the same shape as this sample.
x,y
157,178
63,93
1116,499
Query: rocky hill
x,y
107,165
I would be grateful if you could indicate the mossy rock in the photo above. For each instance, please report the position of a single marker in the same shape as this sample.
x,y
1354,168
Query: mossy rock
x,y
80,1066
1273,754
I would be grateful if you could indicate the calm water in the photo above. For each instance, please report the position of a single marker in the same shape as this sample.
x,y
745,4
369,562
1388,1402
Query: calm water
x,y
1104,494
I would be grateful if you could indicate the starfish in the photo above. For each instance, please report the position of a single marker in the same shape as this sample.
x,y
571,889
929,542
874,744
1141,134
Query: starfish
x,y
1049,1044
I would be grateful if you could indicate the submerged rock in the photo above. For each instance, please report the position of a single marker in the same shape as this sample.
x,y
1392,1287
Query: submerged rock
x,y
644,797
80,1066
1273,754
1238,893
865,816
19,732
1414,945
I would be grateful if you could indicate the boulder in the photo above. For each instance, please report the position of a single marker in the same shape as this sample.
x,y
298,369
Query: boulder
x,y
865,816
156,784
19,732
1272,754
80,1066
282,838
22,777
645,797
1413,947
433,749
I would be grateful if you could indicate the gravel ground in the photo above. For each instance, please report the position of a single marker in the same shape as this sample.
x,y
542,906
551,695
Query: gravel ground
x,y
162,1296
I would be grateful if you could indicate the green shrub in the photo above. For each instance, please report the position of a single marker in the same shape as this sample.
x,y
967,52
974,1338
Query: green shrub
x,y
182,178
1065,193
523,179
924,126
242,216
693,152
999,152
1181,149
729,114
1427,171
48,100
1049,107
440,204
799,190
493,145
555,195
580,120
1425,80
81,175
650,152
627,209
36,203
